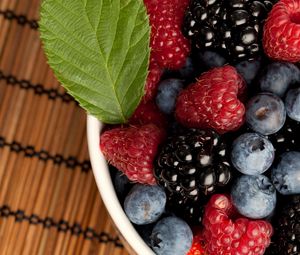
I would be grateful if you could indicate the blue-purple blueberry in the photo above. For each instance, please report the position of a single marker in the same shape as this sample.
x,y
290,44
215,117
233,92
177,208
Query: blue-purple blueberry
x,y
122,185
249,69
285,174
278,77
252,154
145,232
144,204
265,113
167,93
188,70
254,196
292,104
211,59
171,236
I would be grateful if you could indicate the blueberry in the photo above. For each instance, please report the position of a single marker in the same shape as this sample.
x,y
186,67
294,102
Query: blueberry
x,y
187,73
285,174
145,204
188,70
122,185
145,232
211,59
167,94
292,104
265,113
254,196
252,154
249,69
171,236
278,77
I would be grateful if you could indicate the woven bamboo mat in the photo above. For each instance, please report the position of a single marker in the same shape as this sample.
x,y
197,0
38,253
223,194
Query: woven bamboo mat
x,y
49,203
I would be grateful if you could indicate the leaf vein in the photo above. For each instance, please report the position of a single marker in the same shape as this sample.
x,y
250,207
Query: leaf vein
x,y
67,9
81,70
131,46
107,71
69,33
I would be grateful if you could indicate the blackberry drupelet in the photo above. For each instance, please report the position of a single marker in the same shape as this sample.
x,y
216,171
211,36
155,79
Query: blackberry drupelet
x,y
193,163
286,238
231,27
191,210
287,138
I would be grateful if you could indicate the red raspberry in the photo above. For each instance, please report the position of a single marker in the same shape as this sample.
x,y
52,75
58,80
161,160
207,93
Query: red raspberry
x,y
167,8
152,81
132,150
197,246
281,38
169,47
224,235
146,113
212,102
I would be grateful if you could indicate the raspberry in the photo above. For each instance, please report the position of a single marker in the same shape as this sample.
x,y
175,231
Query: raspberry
x,y
169,47
281,39
212,102
197,246
153,78
132,150
159,8
224,235
146,113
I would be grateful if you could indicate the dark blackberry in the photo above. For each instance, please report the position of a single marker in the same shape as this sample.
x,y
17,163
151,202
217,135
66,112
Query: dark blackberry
x,y
232,27
287,138
188,209
193,163
286,238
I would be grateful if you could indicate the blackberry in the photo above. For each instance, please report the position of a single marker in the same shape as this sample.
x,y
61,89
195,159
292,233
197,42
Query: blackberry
x,y
232,27
286,238
192,163
189,209
286,139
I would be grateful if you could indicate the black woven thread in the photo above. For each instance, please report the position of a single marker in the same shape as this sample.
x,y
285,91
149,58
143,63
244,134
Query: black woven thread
x,y
29,151
38,89
21,19
61,226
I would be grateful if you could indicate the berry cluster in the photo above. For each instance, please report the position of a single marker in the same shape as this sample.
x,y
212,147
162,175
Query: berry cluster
x,y
210,159
233,28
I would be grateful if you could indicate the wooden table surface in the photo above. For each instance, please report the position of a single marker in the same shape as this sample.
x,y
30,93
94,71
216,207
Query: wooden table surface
x,y
49,203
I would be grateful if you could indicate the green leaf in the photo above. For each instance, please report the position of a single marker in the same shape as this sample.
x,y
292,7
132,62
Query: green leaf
x,y
99,51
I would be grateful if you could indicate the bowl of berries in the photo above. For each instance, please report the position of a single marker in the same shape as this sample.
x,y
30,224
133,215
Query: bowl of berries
x,y
194,114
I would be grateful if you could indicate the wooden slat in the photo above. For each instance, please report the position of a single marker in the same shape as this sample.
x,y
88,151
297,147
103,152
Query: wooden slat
x,y
33,188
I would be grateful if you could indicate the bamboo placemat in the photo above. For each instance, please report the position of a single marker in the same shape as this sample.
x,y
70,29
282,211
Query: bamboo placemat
x,y
49,203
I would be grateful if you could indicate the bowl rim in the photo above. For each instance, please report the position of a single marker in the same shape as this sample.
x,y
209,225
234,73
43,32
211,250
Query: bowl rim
x,y
107,191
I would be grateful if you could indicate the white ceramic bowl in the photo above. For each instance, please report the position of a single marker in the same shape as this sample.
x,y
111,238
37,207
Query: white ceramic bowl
x,y
108,194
